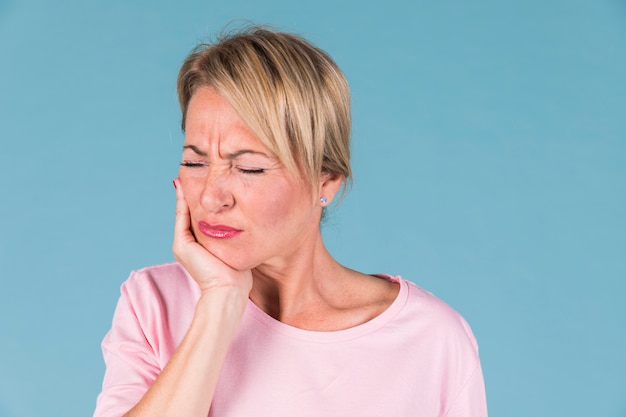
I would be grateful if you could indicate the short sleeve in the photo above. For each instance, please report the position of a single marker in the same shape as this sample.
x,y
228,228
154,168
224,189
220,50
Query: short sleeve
x,y
131,363
471,401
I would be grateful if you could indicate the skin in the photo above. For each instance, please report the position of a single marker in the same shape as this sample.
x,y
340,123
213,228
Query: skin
x,y
278,259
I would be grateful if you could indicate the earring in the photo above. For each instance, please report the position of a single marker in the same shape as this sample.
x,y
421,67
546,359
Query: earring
x,y
323,200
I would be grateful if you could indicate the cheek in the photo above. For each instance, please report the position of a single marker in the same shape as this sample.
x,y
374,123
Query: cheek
x,y
274,213
192,189
286,206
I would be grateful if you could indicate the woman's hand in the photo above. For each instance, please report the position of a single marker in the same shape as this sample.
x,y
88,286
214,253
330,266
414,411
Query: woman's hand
x,y
186,385
209,271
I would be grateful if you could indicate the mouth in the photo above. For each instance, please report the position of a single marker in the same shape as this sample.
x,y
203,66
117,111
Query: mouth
x,y
217,231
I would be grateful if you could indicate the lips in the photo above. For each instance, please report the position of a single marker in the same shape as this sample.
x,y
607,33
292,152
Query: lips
x,y
218,231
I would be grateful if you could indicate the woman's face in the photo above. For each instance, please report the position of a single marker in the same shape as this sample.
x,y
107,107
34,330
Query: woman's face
x,y
246,208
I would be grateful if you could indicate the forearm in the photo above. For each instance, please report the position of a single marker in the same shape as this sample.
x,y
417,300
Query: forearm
x,y
186,386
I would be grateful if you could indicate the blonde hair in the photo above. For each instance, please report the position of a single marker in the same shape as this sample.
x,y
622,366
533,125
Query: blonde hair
x,y
290,93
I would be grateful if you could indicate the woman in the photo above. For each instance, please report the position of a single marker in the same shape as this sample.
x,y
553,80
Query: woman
x,y
256,318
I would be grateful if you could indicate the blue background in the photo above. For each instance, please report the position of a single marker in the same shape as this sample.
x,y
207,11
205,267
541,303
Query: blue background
x,y
490,160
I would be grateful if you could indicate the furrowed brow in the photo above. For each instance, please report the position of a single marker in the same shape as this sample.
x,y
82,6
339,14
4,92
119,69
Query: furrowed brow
x,y
246,151
195,149
230,156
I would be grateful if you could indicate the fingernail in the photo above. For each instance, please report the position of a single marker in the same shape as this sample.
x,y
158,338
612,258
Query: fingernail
x,y
174,182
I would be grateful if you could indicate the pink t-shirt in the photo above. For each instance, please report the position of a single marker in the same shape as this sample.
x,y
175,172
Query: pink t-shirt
x,y
418,358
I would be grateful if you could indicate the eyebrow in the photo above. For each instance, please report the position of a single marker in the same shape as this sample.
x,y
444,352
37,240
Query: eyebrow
x,y
232,155
195,149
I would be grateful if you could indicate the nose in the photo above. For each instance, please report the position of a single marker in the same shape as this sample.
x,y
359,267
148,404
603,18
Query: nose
x,y
217,194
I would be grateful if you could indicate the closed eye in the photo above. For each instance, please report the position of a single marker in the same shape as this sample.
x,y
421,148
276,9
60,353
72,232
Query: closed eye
x,y
255,171
192,164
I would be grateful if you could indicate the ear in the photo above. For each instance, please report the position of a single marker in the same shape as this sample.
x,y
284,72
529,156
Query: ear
x,y
330,184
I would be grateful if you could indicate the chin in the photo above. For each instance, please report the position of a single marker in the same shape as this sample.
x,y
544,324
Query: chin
x,y
230,256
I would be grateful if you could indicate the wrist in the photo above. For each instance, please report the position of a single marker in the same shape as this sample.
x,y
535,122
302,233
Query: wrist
x,y
223,301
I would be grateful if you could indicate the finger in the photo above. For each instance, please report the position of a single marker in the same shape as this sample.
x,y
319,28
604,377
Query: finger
x,y
182,223
200,263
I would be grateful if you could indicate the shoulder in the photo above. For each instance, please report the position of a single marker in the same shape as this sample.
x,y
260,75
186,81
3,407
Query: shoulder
x,y
158,271
161,282
433,318
158,303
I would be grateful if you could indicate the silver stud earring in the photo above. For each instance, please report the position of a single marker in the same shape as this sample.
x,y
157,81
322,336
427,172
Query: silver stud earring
x,y
323,200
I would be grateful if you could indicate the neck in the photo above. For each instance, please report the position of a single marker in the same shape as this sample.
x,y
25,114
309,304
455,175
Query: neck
x,y
291,291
